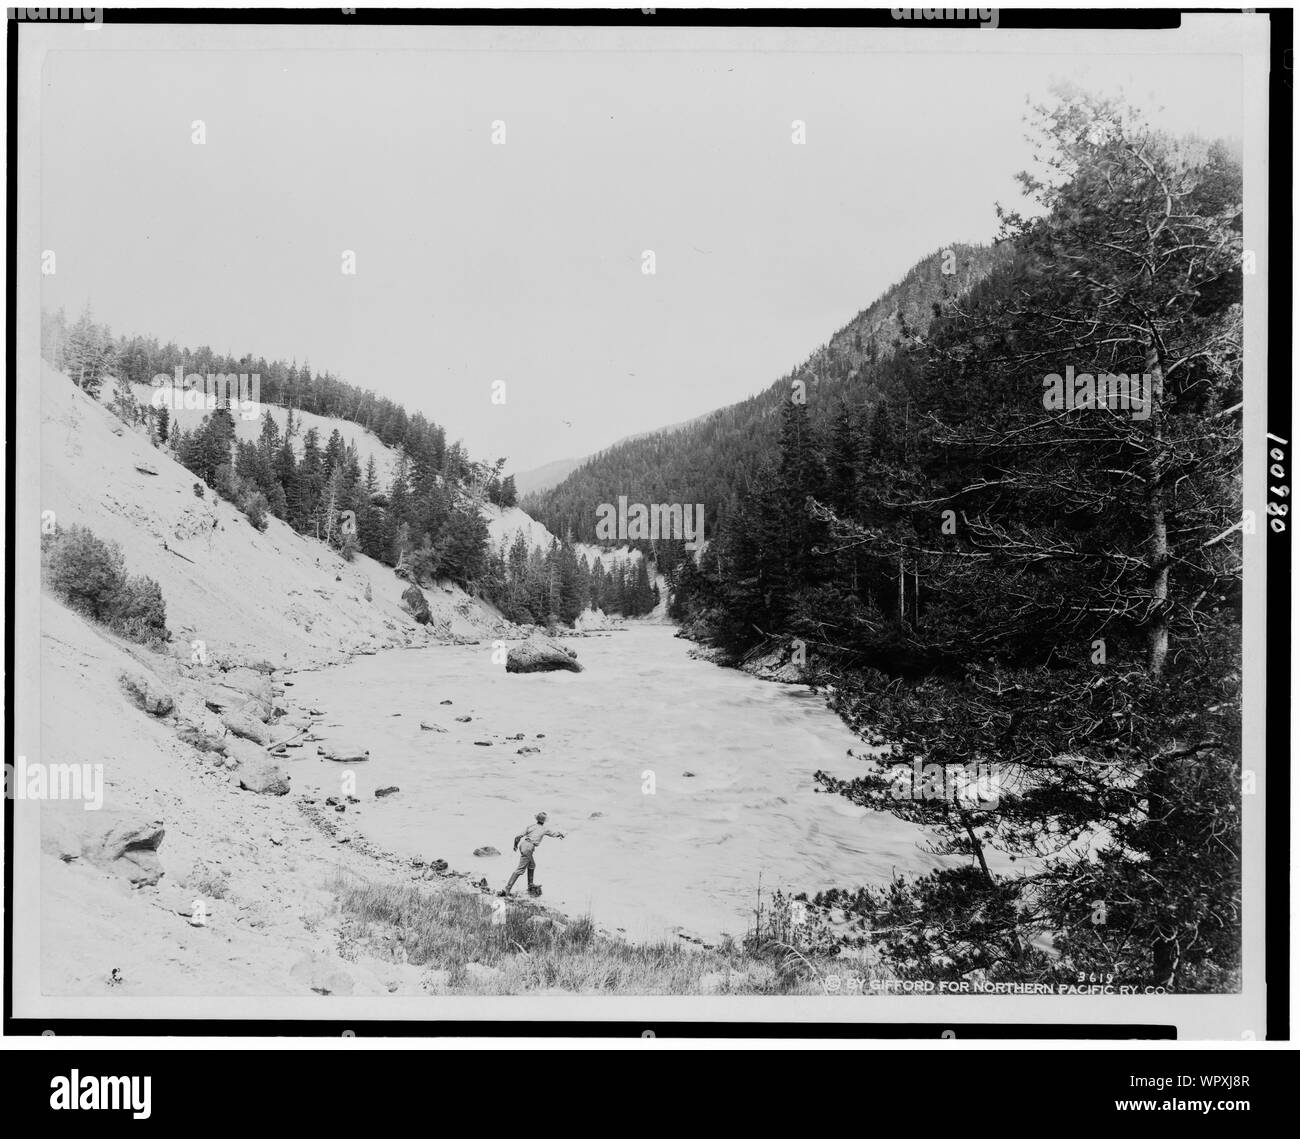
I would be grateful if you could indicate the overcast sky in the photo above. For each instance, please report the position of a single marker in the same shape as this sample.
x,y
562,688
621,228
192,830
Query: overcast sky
x,y
479,262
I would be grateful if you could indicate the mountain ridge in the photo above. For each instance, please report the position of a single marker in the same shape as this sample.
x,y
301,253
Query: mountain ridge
x,y
713,456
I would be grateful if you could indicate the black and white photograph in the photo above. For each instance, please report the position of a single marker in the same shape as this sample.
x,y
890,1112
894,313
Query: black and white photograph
x,y
643,519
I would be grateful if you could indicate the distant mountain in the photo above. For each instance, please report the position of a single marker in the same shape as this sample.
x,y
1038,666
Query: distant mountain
x,y
542,478
710,458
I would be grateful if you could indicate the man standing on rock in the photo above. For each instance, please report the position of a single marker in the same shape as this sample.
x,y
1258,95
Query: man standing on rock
x,y
526,842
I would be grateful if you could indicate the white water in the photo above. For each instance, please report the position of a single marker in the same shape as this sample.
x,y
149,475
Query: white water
x,y
687,857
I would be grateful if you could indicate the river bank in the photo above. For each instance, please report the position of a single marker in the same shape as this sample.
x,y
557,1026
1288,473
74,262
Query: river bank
x,y
214,869
267,894
682,788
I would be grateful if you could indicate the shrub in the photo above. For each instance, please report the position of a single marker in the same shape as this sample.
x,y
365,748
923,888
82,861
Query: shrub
x,y
255,506
792,934
88,573
139,611
279,503
83,570
425,562
227,484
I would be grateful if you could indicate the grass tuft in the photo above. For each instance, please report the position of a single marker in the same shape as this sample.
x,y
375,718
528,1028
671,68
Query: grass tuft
x,y
440,929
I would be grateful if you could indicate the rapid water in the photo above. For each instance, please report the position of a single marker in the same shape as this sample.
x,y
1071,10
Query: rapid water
x,y
676,782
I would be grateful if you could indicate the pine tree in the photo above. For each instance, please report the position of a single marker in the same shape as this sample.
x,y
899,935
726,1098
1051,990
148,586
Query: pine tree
x,y
309,484
332,504
509,496
124,404
88,353
1082,628
643,599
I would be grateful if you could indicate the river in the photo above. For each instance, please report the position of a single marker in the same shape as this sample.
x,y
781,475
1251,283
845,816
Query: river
x,y
676,782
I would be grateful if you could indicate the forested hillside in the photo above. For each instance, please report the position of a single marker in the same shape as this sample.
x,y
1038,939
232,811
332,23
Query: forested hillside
x,y
715,458
92,355
426,521
1047,593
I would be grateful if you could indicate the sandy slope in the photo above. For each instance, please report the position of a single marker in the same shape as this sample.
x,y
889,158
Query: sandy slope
x,y
505,523
502,523
276,594
259,898
255,862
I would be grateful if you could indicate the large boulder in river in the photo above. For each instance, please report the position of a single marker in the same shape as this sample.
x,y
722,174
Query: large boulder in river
x,y
416,604
538,655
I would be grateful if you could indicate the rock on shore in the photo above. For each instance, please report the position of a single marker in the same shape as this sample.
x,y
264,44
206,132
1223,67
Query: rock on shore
x,y
123,842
